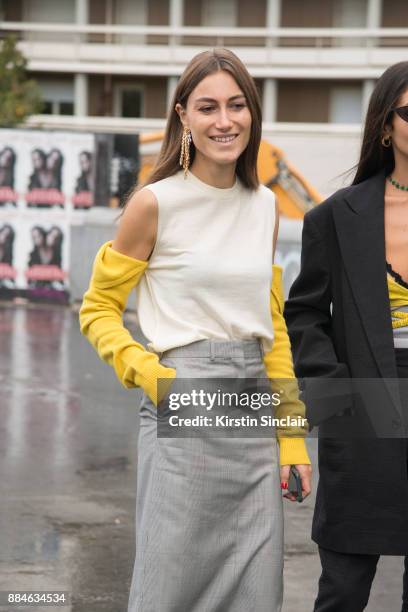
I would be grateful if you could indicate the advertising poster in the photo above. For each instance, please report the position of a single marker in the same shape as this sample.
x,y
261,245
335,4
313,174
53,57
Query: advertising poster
x,y
34,256
84,184
8,195
8,271
49,180
45,266
46,170
45,179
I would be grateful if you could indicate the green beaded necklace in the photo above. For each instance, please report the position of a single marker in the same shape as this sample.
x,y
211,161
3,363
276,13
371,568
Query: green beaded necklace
x,y
397,185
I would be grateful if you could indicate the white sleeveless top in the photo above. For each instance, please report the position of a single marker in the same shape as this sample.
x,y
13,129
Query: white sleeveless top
x,y
210,272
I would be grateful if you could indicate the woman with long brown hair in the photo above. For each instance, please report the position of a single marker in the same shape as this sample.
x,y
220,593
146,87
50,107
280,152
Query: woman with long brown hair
x,y
198,244
347,317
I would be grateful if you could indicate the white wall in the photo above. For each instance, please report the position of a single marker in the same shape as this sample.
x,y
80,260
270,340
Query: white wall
x,y
320,157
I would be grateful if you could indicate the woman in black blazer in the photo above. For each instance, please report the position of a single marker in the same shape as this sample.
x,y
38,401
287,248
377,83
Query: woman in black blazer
x,y
347,316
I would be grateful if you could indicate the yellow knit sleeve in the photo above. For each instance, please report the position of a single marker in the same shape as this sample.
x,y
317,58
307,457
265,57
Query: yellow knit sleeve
x,y
114,275
279,368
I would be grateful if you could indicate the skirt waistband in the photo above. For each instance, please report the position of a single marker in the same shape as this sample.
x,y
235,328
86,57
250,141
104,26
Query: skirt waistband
x,y
218,348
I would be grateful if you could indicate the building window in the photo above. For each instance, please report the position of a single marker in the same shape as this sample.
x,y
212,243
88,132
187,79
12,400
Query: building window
x,y
128,101
57,108
47,108
303,101
345,104
66,108
49,11
219,14
319,101
57,94
131,12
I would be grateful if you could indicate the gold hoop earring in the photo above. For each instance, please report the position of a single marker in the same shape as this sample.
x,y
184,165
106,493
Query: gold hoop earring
x,y
386,141
185,150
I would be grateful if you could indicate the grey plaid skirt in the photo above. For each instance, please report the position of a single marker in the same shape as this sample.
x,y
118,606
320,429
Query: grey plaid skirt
x,y
209,518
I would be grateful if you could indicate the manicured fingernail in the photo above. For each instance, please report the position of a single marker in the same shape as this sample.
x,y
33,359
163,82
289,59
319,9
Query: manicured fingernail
x,y
284,485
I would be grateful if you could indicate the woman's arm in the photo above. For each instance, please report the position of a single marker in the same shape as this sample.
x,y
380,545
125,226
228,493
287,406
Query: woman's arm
x,y
116,271
279,368
137,230
308,317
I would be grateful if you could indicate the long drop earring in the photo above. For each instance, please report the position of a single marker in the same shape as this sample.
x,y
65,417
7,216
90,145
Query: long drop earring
x,y
185,150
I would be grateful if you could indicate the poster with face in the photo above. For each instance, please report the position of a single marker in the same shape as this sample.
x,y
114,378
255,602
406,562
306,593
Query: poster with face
x,y
47,170
49,179
34,255
8,272
84,186
8,196
45,266
45,181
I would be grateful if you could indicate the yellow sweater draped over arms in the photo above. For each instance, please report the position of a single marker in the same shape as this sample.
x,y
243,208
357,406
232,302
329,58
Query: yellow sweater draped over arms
x,y
114,275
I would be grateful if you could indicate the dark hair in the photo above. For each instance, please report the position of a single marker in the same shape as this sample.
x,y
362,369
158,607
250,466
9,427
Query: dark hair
x,y
8,245
41,153
40,230
202,65
9,182
374,156
13,155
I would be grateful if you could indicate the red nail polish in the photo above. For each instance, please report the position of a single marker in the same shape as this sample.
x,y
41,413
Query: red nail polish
x,y
284,485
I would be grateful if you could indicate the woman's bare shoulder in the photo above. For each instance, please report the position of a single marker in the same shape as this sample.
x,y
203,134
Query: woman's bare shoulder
x,y
136,233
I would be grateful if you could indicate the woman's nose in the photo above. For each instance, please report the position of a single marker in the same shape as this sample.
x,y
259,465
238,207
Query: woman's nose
x,y
223,119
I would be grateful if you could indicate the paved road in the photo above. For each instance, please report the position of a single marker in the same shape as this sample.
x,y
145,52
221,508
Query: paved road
x,y
68,434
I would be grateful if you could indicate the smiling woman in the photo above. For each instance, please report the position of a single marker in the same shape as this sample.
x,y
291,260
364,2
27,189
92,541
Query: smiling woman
x,y
219,120
215,92
198,244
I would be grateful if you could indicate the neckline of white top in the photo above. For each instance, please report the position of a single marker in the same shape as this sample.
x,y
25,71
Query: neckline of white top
x,y
210,189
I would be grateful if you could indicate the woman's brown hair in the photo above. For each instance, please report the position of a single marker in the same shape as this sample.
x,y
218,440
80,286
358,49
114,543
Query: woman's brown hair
x,y
374,156
202,65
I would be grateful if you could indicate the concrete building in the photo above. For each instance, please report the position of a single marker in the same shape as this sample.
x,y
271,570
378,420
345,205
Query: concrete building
x,y
313,60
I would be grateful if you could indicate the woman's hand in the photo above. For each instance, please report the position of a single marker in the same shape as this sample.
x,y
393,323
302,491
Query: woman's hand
x,y
305,472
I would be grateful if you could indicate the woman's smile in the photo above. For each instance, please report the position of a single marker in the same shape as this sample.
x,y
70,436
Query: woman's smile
x,y
224,139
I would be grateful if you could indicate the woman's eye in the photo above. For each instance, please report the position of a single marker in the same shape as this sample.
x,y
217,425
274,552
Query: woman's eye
x,y
238,106
206,109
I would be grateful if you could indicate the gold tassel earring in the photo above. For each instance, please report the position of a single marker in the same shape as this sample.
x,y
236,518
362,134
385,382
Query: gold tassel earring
x,y
185,150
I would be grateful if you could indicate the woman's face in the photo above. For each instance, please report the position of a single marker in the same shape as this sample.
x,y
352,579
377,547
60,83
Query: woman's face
x,y
218,118
4,234
5,158
37,237
399,129
53,159
52,236
85,163
38,160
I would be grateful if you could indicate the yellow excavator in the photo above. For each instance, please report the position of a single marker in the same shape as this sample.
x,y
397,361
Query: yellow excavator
x,y
295,195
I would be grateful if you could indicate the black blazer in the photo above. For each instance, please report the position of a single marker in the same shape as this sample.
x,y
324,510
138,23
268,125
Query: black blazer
x,y
339,323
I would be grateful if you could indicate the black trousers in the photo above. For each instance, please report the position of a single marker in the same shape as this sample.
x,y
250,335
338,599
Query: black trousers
x,y
346,579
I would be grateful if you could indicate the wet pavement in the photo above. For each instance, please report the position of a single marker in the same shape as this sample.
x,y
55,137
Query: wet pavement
x,y
68,439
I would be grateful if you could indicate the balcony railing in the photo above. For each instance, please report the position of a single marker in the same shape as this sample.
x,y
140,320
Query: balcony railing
x,y
205,36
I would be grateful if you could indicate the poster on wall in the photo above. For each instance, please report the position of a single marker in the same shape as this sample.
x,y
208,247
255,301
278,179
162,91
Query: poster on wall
x,y
8,271
46,179
84,184
46,169
8,195
44,266
34,257
49,180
